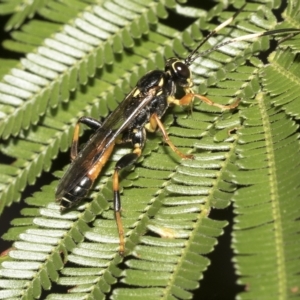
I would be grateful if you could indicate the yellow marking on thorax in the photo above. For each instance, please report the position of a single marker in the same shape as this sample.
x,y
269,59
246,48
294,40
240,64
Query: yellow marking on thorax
x,y
161,82
136,92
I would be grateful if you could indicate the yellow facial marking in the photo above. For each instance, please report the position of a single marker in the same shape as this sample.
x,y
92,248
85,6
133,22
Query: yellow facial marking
x,y
190,82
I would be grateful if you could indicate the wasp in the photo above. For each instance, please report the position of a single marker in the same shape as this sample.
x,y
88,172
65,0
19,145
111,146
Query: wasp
x,y
140,111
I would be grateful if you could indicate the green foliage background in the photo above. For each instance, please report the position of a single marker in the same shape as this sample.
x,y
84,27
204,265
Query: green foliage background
x,y
81,58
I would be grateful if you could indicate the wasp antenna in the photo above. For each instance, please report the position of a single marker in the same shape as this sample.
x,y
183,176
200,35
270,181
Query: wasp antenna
x,y
190,58
293,32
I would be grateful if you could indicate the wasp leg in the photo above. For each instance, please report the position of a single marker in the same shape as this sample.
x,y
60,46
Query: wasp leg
x,y
156,122
188,98
209,102
90,122
138,140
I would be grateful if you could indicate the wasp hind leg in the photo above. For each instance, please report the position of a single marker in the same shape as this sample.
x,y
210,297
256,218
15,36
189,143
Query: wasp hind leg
x,y
90,122
138,139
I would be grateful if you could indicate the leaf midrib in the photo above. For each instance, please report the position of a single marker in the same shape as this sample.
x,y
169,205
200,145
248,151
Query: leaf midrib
x,y
275,199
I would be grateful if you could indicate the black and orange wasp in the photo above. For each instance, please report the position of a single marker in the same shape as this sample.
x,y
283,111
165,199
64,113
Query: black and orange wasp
x,y
140,110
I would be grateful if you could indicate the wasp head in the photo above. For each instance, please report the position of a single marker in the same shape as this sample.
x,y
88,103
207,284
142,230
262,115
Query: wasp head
x,y
179,72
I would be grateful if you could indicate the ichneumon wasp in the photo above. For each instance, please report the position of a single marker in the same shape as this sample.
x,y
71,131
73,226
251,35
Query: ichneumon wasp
x,y
140,111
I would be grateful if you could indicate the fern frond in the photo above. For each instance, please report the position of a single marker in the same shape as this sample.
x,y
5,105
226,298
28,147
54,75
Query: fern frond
x,y
266,205
281,81
45,244
267,172
68,58
20,10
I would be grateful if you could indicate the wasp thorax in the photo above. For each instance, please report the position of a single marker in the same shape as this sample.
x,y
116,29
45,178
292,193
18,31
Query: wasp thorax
x,y
179,71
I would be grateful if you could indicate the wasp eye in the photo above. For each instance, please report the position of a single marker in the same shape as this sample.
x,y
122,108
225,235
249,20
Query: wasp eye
x,y
181,70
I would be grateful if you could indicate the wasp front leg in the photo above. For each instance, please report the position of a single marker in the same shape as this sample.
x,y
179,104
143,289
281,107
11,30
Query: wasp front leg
x,y
137,137
187,99
90,122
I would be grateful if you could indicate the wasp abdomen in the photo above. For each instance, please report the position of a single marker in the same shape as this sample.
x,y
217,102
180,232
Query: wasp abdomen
x,y
72,197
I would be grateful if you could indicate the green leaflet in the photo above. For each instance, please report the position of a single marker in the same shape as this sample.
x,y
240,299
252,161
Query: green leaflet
x,y
83,63
266,206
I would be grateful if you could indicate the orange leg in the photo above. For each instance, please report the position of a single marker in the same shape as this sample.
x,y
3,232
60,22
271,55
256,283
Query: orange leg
x,y
188,98
209,102
117,209
124,161
92,123
155,121
74,146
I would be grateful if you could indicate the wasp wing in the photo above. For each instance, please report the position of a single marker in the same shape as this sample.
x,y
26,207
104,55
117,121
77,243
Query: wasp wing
x,y
85,159
115,124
